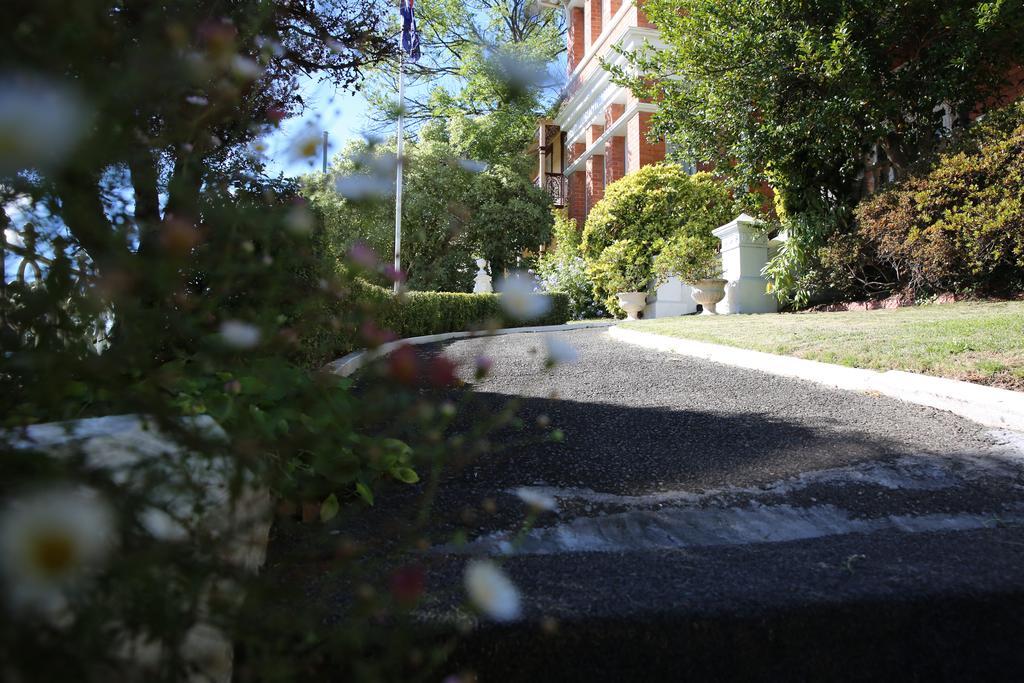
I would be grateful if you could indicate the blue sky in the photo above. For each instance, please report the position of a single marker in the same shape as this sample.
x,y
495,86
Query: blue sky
x,y
342,113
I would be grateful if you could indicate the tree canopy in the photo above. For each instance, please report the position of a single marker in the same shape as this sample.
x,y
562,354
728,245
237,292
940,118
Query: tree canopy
x,y
453,210
798,93
479,57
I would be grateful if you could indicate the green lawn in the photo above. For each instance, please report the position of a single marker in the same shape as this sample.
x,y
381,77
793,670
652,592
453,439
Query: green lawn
x,y
977,341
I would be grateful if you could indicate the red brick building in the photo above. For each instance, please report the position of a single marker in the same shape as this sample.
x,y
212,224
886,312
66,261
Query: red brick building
x,y
600,131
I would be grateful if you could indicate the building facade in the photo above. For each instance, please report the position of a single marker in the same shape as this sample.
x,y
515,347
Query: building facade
x,y
600,131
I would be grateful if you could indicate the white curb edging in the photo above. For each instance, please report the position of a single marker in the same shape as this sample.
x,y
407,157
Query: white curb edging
x,y
985,405
347,365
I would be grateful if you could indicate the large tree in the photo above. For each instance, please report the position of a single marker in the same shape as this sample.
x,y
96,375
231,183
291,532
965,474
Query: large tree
x,y
814,96
478,57
452,211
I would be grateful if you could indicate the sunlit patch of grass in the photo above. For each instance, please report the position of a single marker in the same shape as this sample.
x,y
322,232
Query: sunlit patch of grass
x,y
979,341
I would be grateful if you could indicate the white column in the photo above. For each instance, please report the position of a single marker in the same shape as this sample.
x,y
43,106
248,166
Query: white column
x,y
744,254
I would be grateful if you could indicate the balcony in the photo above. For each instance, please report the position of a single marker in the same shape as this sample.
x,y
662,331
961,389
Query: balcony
x,y
557,185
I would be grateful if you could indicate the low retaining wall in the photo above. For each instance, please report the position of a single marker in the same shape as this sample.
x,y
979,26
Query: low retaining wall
x,y
889,303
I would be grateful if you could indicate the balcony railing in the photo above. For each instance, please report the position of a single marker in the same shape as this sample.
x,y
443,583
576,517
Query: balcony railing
x,y
557,186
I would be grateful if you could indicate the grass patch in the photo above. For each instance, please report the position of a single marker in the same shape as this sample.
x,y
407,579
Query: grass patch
x,y
976,341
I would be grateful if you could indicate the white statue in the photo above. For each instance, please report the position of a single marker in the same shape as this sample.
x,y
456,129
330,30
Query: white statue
x,y
482,284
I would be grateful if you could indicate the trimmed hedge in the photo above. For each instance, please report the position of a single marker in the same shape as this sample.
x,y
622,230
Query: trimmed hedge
x,y
419,313
416,314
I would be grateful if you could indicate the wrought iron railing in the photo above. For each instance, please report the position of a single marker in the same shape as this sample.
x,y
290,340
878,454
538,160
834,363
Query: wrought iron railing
x,y
557,186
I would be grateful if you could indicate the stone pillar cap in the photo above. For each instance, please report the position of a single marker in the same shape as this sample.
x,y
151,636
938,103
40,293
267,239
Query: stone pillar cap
x,y
734,224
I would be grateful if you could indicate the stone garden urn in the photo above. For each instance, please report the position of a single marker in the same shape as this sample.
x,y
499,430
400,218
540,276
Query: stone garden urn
x,y
708,293
482,283
634,302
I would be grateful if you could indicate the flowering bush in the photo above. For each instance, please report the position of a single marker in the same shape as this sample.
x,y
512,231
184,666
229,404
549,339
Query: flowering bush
x,y
182,295
564,270
568,275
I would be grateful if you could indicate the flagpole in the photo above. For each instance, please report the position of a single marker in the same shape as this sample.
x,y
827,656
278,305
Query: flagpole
x,y
398,176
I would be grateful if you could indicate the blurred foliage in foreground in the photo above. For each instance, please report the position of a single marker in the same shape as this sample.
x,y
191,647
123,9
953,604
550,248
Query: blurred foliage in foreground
x,y
176,280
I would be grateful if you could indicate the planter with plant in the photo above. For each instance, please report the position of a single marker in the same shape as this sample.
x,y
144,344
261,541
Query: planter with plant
x,y
697,263
648,207
623,269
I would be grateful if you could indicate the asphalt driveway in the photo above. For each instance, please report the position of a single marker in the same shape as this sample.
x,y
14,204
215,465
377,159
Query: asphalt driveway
x,y
724,523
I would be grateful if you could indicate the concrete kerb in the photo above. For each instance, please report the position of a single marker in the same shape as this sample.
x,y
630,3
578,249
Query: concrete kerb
x,y
347,365
985,405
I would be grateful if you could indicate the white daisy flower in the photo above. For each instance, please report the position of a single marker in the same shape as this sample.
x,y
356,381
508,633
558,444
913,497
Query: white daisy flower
x,y
536,500
491,591
519,300
270,45
240,335
305,144
300,220
361,186
560,351
50,541
516,73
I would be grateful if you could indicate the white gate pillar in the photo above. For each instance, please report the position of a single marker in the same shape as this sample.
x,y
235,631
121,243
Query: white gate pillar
x,y
744,254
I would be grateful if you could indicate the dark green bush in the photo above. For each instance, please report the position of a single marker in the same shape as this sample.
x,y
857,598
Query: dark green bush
x,y
959,224
417,314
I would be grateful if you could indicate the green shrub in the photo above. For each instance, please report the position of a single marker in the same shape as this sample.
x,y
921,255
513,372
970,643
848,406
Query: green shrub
x,y
646,208
417,314
565,234
563,269
622,267
959,225
689,258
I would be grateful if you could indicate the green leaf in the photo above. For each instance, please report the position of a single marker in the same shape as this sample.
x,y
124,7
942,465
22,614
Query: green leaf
x,y
364,492
396,448
329,508
405,474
